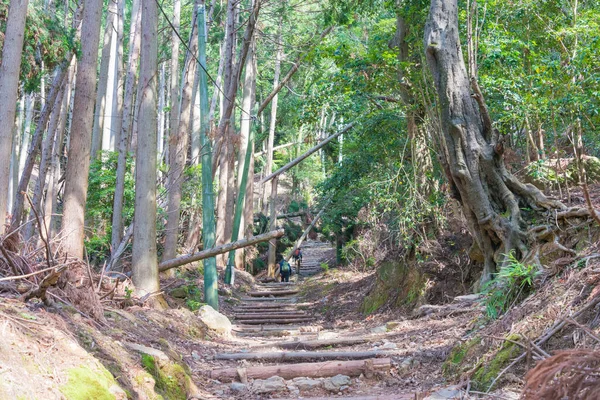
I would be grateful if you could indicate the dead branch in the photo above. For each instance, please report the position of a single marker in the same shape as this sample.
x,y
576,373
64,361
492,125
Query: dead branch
x,y
50,280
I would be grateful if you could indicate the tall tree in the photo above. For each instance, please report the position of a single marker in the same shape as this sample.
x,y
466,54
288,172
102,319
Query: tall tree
x,y
211,296
178,149
126,125
78,165
144,259
471,150
9,82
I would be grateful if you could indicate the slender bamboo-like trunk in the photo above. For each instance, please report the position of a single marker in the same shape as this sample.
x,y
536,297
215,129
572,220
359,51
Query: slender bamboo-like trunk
x,y
101,105
174,68
9,83
126,125
178,147
160,124
144,260
78,165
117,104
211,296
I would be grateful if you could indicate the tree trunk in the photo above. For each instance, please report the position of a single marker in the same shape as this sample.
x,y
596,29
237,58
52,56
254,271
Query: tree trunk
x,y
271,256
14,159
126,125
178,147
108,135
245,155
57,151
78,165
36,143
45,162
174,67
160,123
273,120
211,296
101,94
144,261
9,83
471,150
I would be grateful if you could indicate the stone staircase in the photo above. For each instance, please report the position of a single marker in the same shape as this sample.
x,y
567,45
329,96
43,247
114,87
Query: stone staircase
x,y
313,255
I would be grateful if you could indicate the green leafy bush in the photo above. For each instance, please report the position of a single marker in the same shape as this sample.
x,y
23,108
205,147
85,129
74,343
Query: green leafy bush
x,y
513,283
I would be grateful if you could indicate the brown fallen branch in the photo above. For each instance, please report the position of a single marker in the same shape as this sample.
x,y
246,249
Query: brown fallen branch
x,y
263,315
302,355
556,327
50,280
308,370
315,344
179,261
12,278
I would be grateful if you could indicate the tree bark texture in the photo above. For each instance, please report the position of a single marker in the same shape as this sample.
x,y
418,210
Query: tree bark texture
x,y
471,150
101,104
144,258
178,147
78,165
9,83
126,124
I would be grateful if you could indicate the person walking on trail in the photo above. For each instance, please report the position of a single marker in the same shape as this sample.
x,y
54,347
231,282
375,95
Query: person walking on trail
x,y
297,256
285,270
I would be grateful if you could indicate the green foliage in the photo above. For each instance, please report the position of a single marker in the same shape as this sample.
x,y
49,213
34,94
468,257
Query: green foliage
x,y
101,191
324,267
47,41
513,283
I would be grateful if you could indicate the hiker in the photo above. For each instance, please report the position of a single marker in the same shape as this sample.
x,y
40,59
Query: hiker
x,y
285,270
297,256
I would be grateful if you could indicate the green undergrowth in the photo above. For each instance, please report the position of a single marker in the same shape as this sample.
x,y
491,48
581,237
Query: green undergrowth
x,y
401,285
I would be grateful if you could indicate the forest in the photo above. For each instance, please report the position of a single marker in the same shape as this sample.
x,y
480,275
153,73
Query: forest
x,y
256,199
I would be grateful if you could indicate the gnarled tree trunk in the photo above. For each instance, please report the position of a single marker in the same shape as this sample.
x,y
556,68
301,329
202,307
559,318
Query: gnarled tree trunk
x,y
471,150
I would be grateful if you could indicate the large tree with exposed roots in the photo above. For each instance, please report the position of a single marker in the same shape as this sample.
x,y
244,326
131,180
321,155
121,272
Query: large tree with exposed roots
x,y
500,209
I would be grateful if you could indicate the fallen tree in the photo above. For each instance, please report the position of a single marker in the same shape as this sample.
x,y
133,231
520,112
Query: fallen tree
x,y
189,258
301,355
308,370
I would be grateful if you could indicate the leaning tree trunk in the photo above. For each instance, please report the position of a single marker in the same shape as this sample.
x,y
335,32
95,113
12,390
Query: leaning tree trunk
x,y
471,151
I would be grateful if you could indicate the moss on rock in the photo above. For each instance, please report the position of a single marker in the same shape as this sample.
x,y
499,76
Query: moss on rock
x,y
171,380
85,383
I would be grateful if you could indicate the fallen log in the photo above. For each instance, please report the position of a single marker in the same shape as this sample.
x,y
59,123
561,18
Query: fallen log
x,y
277,321
308,370
289,314
189,258
282,299
302,355
272,293
315,344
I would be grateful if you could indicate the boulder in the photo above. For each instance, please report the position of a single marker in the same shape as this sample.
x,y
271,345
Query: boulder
x,y
379,329
335,383
448,393
238,387
271,385
307,383
214,320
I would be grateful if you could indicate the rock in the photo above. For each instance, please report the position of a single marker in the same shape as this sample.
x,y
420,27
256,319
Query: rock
x,y
328,335
469,298
406,363
389,346
180,292
307,383
451,392
335,383
379,329
224,291
238,387
391,325
244,277
271,385
293,390
214,320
